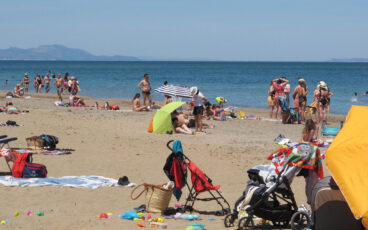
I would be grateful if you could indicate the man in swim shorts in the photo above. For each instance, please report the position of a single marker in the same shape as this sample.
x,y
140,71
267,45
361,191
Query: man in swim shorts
x,y
59,83
145,87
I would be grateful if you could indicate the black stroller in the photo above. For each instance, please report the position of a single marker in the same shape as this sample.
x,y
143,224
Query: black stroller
x,y
268,195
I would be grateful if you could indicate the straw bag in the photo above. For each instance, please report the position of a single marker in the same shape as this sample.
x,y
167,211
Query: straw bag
x,y
35,143
157,197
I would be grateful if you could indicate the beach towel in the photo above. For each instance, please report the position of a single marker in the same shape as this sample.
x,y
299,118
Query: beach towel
x,y
298,156
90,182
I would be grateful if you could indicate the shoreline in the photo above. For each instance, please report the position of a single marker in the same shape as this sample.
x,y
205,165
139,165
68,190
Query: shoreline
x,y
126,104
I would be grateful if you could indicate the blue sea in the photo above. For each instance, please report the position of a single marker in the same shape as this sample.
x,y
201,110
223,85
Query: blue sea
x,y
244,84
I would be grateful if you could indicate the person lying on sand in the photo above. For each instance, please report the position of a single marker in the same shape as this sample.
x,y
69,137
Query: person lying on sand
x,y
181,127
18,92
11,109
136,104
184,119
310,132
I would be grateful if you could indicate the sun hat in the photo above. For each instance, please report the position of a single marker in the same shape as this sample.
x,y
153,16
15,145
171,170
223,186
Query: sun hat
x,y
72,78
193,90
25,74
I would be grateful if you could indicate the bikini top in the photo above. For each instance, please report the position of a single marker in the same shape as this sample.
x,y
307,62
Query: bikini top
x,y
278,88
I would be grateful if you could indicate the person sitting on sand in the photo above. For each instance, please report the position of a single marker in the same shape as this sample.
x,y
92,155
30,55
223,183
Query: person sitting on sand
x,y
18,92
221,101
136,104
181,127
310,132
11,109
76,100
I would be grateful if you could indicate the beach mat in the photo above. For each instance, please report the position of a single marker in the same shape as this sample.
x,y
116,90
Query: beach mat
x,y
90,182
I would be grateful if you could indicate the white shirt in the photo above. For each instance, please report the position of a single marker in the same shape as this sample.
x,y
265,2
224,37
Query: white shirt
x,y
287,88
198,99
70,83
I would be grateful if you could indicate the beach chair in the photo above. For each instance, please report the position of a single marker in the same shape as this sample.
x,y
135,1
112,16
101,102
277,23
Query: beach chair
x,y
289,115
176,169
4,141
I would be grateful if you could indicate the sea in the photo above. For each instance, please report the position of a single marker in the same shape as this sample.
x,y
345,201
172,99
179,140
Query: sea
x,y
243,84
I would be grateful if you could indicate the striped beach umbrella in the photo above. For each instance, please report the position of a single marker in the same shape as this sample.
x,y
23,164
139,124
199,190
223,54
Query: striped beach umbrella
x,y
174,91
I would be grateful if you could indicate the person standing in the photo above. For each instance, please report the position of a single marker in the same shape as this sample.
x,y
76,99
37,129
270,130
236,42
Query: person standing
x,y
199,99
145,87
300,98
278,85
271,99
59,83
26,82
287,91
47,81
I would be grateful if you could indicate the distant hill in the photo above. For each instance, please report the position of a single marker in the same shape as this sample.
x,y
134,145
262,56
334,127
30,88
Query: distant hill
x,y
57,52
349,60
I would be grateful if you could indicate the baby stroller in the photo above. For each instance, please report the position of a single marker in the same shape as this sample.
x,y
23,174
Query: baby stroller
x,y
268,194
289,115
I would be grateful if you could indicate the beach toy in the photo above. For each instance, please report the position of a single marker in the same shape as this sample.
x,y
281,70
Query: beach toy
x,y
141,225
16,214
103,215
140,214
29,213
7,221
160,220
137,219
109,214
178,206
40,214
129,215
3,222
211,219
158,225
197,226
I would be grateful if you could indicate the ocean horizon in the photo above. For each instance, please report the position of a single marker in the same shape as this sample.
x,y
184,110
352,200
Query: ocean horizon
x,y
243,83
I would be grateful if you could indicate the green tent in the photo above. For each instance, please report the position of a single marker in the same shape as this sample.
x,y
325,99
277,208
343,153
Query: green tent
x,y
161,122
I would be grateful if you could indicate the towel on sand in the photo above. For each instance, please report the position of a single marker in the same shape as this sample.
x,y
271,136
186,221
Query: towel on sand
x,y
91,182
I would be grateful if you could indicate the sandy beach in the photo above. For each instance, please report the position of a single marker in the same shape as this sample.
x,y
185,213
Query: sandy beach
x,y
115,144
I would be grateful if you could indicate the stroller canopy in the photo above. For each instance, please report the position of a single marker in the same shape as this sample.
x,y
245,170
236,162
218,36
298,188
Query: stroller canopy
x,y
347,159
161,122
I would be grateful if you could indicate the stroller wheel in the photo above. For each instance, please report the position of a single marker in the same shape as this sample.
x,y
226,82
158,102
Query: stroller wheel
x,y
246,223
229,220
300,220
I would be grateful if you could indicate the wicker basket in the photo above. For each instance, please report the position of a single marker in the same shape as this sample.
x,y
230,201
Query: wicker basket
x,y
35,143
157,197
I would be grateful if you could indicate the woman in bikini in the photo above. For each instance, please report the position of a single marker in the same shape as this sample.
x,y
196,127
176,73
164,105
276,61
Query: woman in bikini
x,y
279,85
310,133
137,104
66,79
300,98
323,101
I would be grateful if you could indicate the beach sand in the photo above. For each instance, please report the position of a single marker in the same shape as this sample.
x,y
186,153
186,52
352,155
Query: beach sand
x,y
116,143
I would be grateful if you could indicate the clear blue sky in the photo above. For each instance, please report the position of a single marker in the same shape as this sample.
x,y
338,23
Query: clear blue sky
x,y
275,30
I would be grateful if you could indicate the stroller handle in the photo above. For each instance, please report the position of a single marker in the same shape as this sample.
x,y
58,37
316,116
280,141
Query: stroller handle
x,y
168,145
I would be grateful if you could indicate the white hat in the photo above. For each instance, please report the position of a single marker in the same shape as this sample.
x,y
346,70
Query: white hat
x,y
25,74
193,90
301,80
72,78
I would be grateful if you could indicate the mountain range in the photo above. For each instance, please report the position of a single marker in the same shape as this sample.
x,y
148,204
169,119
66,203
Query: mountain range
x,y
57,53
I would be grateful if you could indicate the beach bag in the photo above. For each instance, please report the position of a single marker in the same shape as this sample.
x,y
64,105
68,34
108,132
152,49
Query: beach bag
x,y
49,142
157,197
35,143
24,168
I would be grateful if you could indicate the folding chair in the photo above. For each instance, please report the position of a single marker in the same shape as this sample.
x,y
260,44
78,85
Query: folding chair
x,y
4,142
200,182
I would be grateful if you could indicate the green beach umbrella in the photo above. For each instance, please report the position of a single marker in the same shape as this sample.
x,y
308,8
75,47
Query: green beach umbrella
x,y
162,120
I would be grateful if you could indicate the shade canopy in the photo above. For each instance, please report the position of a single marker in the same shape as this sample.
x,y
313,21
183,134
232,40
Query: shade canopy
x,y
347,159
161,122
174,91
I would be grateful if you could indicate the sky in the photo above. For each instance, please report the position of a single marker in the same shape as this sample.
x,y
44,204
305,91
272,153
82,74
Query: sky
x,y
231,30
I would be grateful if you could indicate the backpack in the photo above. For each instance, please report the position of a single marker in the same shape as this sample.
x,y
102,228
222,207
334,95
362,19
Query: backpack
x,y
24,168
49,142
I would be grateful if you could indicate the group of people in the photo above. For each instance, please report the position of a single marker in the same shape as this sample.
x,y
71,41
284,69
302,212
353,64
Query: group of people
x,y
280,87
68,85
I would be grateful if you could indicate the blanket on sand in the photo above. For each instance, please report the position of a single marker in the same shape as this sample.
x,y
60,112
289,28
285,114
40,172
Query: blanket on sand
x,y
91,182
